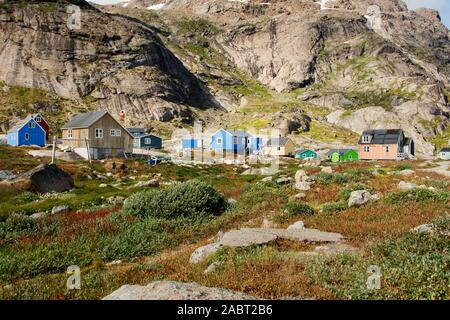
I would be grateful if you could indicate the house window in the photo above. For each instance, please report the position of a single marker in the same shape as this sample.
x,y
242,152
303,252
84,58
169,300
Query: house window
x,y
31,125
350,157
99,133
387,148
27,136
366,139
235,139
148,140
69,134
38,119
366,149
115,132
219,140
136,141
304,156
249,141
279,148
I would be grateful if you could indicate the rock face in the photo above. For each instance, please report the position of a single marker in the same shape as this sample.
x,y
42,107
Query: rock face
x,y
42,179
119,62
172,290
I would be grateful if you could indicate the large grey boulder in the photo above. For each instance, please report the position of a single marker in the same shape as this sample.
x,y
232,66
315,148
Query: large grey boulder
x,y
42,179
60,209
6,175
360,197
172,290
406,186
204,252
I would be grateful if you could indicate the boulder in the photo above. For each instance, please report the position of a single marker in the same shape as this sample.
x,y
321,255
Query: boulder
x,y
327,170
267,179
204,252
424,228
60,209
299,225
116,200
172,290
39,215
283,180
300,196
42,179
303,186
360,197
211,268
407,172
406,186
299,175
153,183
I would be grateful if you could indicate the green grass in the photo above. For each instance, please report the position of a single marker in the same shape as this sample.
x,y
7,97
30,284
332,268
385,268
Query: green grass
x,y
414,266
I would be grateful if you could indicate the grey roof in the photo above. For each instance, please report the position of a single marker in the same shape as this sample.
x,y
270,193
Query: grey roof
x,y
382,136
84,120
145,135
282,141
445,150
340,151
304,150
20,124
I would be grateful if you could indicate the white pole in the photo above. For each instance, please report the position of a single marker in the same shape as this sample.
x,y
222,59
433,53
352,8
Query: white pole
x,y
88,150
54,150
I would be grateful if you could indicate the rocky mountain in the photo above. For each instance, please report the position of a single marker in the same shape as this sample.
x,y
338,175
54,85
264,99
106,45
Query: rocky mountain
x,y
338,66
119,62
371,67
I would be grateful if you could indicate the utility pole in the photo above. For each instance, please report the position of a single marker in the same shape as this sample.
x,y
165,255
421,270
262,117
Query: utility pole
x,y
88,150
54,150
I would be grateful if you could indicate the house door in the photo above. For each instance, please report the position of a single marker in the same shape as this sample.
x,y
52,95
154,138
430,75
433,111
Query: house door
x,y
235,145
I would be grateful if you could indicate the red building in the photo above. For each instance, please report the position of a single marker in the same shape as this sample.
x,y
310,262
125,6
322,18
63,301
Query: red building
x,y
42,122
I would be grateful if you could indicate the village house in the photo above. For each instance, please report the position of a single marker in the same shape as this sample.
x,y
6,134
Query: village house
x,y
136,132
100,132
281,146
444,154
342,155
43,123
147,141
236,142
306,155
391,144
27,133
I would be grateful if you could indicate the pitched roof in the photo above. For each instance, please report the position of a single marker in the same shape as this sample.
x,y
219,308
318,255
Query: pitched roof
x,y
237,133
304,150
84,120
281,141
382,136
22,123
445,150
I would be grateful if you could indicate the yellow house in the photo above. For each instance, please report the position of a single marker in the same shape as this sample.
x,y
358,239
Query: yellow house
x,y
282,146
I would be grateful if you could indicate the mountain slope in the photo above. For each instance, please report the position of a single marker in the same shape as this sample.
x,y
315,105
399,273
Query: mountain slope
x,y
116,62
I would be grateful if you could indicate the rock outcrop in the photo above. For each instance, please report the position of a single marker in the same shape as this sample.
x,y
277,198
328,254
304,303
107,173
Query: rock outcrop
x,y
42,179
172,290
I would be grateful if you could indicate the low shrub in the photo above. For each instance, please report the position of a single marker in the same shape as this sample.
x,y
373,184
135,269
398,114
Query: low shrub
x,y
334,207
339,178
189,199
26,197
416,195
403,166
297,208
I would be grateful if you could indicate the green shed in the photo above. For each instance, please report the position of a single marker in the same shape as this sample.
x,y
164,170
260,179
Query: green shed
x,y
306,155
343,155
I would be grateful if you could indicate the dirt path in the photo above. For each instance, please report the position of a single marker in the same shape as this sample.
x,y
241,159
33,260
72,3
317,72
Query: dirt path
x,y
442,168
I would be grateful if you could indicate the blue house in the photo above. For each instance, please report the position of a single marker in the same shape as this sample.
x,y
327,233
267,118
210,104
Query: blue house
x,y
147,141
191,143
27,133
235,141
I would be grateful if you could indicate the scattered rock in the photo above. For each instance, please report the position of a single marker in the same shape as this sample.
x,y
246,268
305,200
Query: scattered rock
x,y
232,201
211,268
116,200
284,181
113,263
267,179
360,197
424,228
204,252
299,225
299,175
153,183
407,172
39,215
247,237
303,186
327,170
60,209
103,185
405,186
172,290
42,179
300,196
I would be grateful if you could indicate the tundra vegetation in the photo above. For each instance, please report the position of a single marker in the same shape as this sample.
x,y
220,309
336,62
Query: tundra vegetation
x,y
157,228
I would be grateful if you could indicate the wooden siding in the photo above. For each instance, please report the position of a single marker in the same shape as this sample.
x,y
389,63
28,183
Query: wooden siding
x,y
378,152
